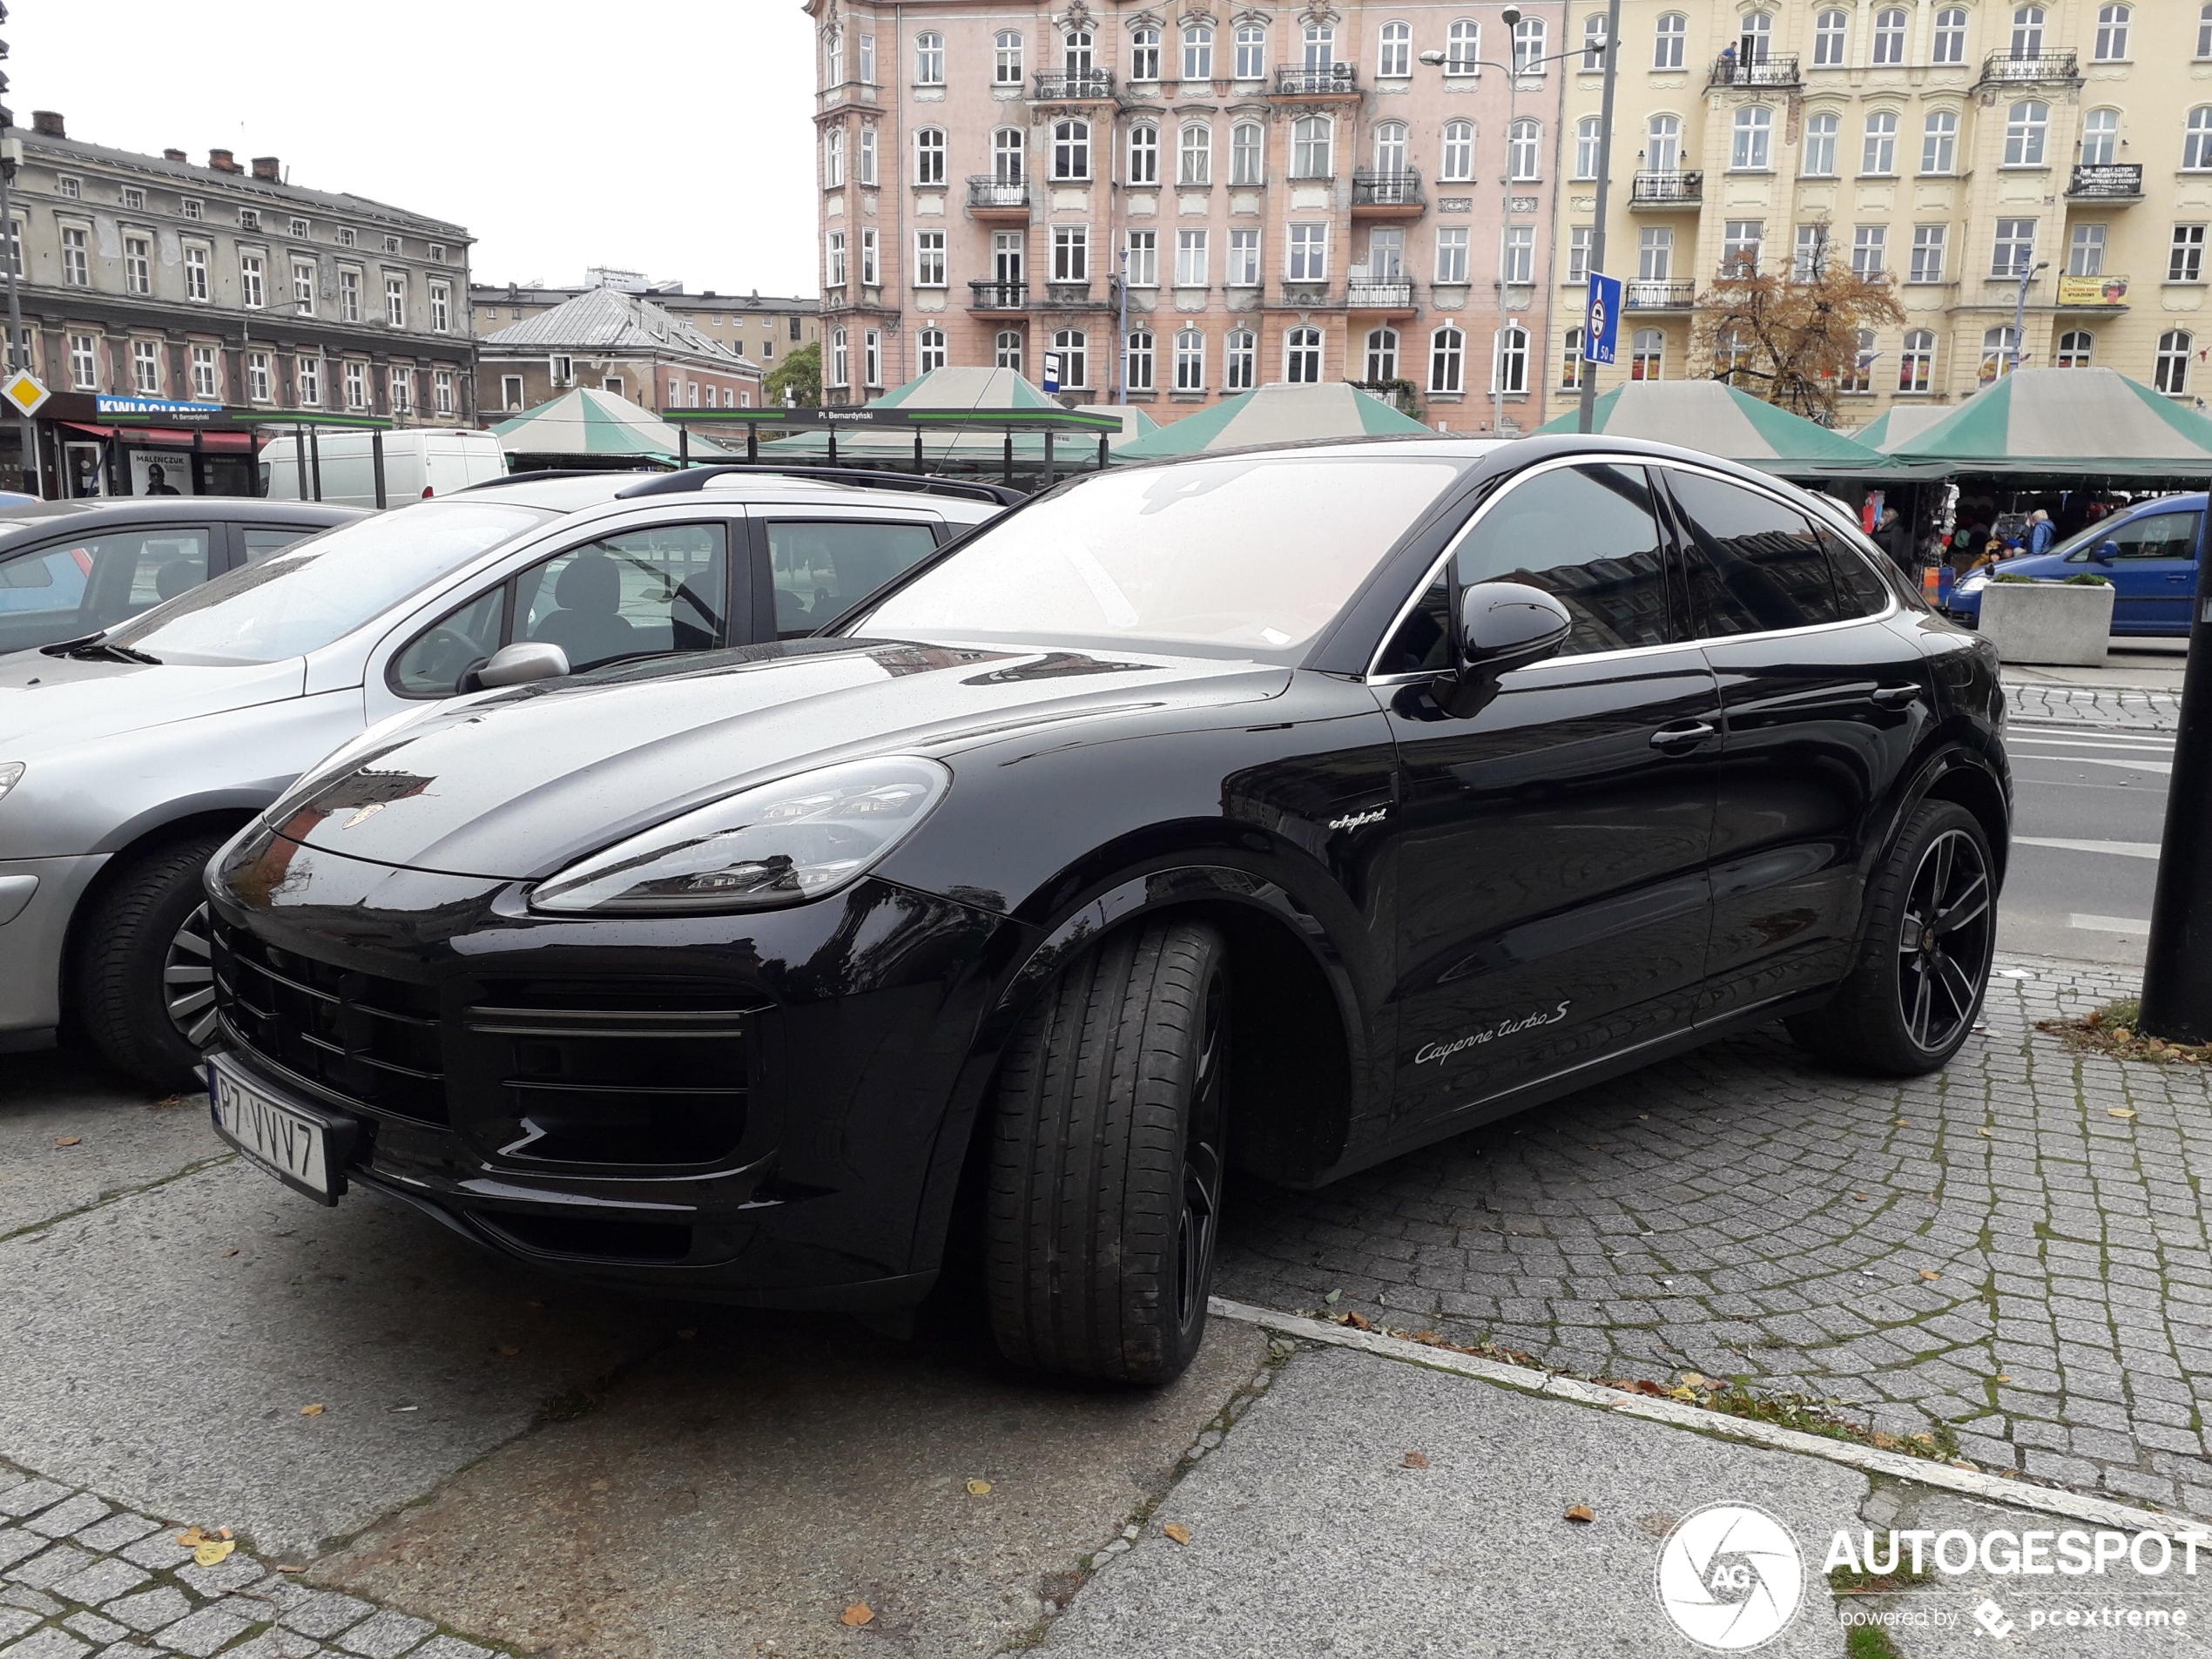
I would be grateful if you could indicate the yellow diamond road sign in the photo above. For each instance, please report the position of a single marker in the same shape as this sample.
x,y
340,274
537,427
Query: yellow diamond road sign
x,y
22,389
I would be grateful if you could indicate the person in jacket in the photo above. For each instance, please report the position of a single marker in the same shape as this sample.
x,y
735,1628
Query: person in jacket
x,y
2040,532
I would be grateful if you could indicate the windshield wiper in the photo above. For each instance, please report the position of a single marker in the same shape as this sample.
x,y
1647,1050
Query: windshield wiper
x,y
62,647
96,648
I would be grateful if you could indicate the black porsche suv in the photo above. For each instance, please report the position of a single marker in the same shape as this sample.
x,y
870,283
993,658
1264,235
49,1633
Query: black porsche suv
x,y
1293,807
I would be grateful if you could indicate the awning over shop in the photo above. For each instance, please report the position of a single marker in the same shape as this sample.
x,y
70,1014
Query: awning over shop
x,y
165,438
1722,420
590,424
1276,413
2087,423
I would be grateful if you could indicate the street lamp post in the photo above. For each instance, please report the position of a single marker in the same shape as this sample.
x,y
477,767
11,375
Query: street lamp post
x,y
1585,376
2029,271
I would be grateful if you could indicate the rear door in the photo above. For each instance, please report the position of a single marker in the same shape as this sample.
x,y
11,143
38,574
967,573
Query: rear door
x,y
813,563
60,589
2154,567
1823,697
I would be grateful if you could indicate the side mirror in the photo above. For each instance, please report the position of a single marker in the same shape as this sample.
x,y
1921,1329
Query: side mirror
x,y
2107,552
521,662
1503,626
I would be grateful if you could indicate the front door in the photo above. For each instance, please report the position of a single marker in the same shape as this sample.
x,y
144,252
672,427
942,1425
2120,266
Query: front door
x,y
1552,894
2153,564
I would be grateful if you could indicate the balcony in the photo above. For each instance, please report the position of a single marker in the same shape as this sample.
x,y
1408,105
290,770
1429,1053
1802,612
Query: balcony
x,y
1376,194
992,198
1075,85
2108,182
1661,190
1764,71
1305,296
1659,296
997,296
1316,80
2030,69
1388,293
1076,296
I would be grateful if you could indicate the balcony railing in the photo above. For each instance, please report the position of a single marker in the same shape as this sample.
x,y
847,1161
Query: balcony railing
x,y
985,190
2009,68
1294,79
2107,182
1372,187
1074,83
997,296
1390,293
1660,189
1772,70
1659,296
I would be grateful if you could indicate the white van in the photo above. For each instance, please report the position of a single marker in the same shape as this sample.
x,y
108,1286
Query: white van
x,y
419,461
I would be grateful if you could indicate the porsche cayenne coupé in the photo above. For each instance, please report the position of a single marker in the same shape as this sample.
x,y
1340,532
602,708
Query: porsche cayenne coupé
x,y
1291,808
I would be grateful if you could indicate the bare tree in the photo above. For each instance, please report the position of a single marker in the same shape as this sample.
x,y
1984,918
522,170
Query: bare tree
x,y
1791,336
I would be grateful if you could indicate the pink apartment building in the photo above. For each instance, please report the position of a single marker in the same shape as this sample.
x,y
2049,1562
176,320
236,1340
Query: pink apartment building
x,y
1268,192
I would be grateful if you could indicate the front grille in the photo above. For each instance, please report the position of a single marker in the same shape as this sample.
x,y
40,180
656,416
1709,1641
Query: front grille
x,y
371,1041
638,1072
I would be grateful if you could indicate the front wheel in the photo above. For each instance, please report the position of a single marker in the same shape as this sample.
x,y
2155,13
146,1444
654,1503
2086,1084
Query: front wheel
x,y
1930,927
144,982
1106,1158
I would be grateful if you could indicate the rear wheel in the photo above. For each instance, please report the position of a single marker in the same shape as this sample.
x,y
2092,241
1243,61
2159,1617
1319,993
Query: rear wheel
x,y
144,982
1923,965
1107,1159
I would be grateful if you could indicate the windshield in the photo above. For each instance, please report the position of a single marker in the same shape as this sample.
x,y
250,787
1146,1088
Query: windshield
x,y
322,589
1250,556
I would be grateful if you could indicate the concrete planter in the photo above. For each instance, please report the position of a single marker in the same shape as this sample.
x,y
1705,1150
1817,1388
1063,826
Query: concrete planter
x,y
2049,621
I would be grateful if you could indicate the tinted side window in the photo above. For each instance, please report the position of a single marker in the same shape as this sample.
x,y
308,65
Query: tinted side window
x,y
1860,591
823,567
637,594
433,665
1753,563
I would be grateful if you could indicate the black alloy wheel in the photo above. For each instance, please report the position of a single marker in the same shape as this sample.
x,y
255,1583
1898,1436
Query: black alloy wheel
x,y
1202,1161
188,980
1928,931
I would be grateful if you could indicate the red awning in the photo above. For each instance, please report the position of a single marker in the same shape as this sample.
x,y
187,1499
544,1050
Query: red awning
x,y
166,438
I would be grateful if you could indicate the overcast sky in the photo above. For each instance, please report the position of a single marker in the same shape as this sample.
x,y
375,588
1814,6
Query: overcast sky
x,y
672,137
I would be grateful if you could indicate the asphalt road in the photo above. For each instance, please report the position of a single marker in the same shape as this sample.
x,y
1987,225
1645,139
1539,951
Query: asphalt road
x,y
2090,809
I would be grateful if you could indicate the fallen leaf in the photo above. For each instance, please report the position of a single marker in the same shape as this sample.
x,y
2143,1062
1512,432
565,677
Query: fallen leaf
x,y
856,1615
1581,1512
2118,1112
222,1532
1930,1272
1682,1394
291,1569
508,1353
1905,1123
1417,1459
232,1250
1861,1197
1177,1531
1333,1298
1924,1439
1358,1322
1645,1385
1984,1131
214,1553
2001,1377
1695,1379
70,1140
192,1535
311,1411
979,1488
1885,1442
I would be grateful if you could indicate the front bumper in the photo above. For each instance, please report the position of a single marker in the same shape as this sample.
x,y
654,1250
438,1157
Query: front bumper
x,y
767,1109
33,939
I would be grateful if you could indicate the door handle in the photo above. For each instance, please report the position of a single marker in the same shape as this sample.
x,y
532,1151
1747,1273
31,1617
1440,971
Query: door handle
x,y
1671,737
1895,696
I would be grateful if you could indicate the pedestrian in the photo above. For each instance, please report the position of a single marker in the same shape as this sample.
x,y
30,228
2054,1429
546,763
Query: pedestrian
x,y
2040,532
1890,537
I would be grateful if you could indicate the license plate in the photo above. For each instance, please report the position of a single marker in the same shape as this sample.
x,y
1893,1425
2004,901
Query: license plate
x,y
302,1147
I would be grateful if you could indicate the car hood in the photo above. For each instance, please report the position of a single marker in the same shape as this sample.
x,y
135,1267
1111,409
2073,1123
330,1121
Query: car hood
x,y
515,785
50,703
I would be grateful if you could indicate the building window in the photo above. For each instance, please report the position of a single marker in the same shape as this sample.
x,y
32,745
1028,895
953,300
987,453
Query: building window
x,y
840,363
2196,147
510,389
258,383
1073,347
138,265
1463,48
1144,55
833,58
77,257
2204,33
68,188
1447,361
1382,355
1860,376
400,391
1879,155
1239,360
1528,43
1829,31
2085,253
1939,142
1647,354
145,368
1244,259
1006,349
1251,45
1524,147
1740,247
440,308
203,373
1189,361
1309,255
834,260
2075,348
1755,37
1518,254
1392,149
561,367
2027,124
437,253
1810,261
1008,155
1311,147
395,300
303,287
1302,357
1869,247
2100,138
251,291
2172,374
1071,150
1889,37
1927,252
930,259
929,156
2014,250
1820,154
1075,49
1138,361
1586,148
1949,45
1509,369
2185,255
1194,162
1754,135
1144,154
1071,252
249,219
306,377
871,269
1578,251
2112,34
1459,153
1396,59
832,157
1191,260
1593,43
441,390
83,362
1570,361
196,274
2027,31
932,354
357,387
1915,364
1141,262
1452,255
1662,143
1655,253
929,59
1006,58
1246,142
1670,41
1197,52
349,296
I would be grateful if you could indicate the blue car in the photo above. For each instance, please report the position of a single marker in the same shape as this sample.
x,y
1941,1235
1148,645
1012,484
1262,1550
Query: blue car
x,y
2147,552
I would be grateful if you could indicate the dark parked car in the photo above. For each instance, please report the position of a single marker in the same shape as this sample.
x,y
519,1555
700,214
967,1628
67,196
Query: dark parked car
x,y
71,567
1294,808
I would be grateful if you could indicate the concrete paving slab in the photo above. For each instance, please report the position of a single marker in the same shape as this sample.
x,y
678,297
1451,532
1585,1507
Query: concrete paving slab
x,y
125,1137
145,1361
736,1492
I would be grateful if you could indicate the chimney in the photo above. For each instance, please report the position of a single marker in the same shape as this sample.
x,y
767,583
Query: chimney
x,y
173,155
221,162
47,123
265,167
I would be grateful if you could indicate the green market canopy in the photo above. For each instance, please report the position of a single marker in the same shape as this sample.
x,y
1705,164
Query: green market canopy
x,y
1722,420
983,391
590,425
2088,422
1899,425
1278,412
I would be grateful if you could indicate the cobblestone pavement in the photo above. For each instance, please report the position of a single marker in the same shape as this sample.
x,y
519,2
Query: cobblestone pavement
x,y
2098,705
77,1574
2013,1247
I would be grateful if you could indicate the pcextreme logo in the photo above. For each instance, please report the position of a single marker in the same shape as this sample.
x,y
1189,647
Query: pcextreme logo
x,y
1731,1577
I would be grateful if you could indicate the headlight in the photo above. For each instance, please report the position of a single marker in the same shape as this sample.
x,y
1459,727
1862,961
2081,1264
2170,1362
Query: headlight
x,y
11,773
1973,584
779,844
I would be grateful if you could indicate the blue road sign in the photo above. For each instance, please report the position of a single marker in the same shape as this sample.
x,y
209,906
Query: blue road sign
x,y
1602,318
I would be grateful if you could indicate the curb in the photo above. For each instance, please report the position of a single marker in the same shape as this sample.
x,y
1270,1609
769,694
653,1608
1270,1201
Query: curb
x,y
1971,1483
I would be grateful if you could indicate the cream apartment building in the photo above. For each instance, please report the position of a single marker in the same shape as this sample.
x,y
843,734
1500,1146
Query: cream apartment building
x,y
1954,147
1275,192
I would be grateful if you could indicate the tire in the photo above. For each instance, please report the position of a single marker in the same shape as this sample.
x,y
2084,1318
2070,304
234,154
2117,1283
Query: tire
x,y
1931,927
143,985
1105,1193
